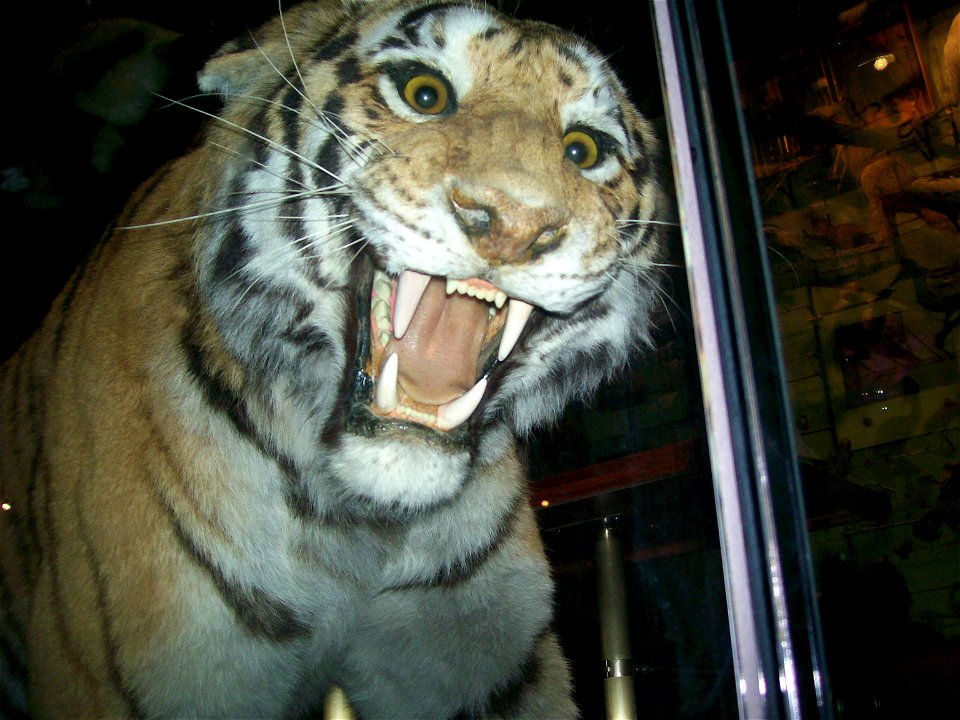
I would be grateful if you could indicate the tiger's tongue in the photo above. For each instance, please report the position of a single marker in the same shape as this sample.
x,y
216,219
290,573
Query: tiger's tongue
x,y
439,351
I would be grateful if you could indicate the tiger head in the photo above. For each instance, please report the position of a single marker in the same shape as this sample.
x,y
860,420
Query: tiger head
x,y
439,225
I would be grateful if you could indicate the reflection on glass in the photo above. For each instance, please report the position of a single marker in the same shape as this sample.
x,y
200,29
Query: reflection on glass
x,y
853,123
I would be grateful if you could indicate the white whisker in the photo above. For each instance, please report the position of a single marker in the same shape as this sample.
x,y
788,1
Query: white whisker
x,y
293,59
270,143
291,251
227,211
666,223
259,164
344,140
331,127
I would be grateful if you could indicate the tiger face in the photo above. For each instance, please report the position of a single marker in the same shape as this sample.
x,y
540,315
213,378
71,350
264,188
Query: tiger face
x,y
472,192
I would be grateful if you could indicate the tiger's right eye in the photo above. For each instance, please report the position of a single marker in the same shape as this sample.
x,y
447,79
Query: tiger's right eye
x,y
581,148
426,94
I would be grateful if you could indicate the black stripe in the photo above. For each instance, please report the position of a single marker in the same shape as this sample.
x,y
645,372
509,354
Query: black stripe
x,y
105,615
291,122
640,170
12,658
336,48
258,611
300,503
218,395
348,70
415,16
233,254
391,43
310,340
224,400
464,568
329,157
504,701
619,119
18,398
68,296
60,620
36,421
141,197
564,50
293,207
354,345
26,563
259,127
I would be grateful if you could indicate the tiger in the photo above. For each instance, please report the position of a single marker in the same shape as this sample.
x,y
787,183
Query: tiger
x,y
268,442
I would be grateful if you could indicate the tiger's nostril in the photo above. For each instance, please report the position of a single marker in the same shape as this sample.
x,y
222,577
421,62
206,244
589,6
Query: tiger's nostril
x,y
474,219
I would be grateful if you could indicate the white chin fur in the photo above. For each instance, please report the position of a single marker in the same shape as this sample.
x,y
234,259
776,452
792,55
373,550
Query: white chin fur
x,y
408,473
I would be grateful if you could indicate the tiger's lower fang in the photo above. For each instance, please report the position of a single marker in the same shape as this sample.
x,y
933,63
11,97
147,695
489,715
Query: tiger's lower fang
x,y
456,412
386,395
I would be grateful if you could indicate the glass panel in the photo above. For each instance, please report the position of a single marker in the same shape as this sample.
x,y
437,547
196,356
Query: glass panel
x,y
852,119
633,462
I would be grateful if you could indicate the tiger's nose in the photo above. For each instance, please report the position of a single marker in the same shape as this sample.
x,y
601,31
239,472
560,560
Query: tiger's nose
x,y
504,229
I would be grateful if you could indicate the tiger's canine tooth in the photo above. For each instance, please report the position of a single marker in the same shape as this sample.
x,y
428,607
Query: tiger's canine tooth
x,y
410,288
518,312
386,395
457,411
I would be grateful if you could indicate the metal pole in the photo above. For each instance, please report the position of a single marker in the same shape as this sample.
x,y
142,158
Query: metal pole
x,y
614,628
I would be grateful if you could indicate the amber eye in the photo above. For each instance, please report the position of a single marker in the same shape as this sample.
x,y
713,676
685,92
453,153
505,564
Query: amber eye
x,y
426,94
580,147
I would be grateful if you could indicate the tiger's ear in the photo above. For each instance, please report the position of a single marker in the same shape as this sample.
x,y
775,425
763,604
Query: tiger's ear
x,y
240,64
232,71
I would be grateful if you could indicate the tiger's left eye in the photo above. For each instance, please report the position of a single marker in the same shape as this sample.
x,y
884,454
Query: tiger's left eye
x,y
581,148
426,94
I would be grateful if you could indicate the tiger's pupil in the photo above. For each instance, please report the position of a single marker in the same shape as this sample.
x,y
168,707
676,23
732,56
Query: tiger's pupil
x,y
577,152
427,97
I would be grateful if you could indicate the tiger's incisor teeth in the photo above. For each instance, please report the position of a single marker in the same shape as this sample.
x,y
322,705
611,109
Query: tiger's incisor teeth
x,y
457,411
410,288
517,314
386,394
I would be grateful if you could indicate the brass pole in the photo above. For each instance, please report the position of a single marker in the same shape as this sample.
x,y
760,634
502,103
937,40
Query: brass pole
x,y
614,628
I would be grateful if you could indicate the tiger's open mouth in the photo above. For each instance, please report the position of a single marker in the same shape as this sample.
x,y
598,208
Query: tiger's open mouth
x,y
430,338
